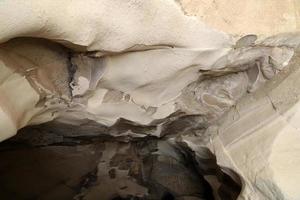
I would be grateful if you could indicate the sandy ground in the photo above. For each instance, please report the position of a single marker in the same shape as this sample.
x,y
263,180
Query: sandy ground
x,y
262,17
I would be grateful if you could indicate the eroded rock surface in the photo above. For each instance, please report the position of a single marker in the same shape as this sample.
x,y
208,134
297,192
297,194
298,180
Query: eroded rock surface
x,y
152,103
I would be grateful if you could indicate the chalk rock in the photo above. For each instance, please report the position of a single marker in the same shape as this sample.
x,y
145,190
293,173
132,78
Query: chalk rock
x,y
174,101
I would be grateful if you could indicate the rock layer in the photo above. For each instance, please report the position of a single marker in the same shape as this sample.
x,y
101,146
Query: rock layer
x,y
182,110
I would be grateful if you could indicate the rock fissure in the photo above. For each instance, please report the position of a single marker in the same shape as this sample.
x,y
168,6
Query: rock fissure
x,y
140,100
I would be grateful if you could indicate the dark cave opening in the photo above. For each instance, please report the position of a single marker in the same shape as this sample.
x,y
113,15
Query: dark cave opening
x,y
58,170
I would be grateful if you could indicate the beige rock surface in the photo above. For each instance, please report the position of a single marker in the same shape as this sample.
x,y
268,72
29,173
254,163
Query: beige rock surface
x,y
106,25
259,138
135,69
266,17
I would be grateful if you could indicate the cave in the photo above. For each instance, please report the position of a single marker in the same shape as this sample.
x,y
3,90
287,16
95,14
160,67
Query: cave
x,y
149,100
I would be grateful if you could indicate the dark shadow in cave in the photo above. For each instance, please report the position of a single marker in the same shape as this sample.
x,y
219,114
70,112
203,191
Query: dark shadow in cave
x,y
56,170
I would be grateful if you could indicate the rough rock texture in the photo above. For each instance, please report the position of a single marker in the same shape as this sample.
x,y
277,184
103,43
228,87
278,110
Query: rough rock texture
x,y
138,100
263,139
247,17
89,168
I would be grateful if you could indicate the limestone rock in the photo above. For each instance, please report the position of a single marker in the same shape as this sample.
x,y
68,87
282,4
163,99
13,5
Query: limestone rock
x,y
148,101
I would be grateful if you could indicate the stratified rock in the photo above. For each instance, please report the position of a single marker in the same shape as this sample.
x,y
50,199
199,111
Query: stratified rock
x,y
147,101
